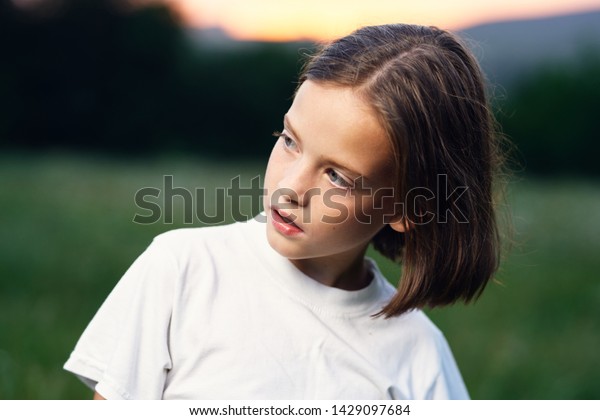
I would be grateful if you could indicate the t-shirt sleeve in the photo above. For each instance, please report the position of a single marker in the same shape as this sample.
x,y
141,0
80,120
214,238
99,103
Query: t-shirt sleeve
x,y
124,352
448,383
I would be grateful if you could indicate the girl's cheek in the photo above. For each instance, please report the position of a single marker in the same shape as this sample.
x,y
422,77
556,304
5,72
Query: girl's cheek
x,y
336,208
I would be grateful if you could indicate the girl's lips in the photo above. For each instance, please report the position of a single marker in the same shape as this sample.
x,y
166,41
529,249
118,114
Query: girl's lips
x,y
283,224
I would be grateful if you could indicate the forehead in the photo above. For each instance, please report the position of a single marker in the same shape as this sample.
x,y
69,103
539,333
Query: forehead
x,y
334,122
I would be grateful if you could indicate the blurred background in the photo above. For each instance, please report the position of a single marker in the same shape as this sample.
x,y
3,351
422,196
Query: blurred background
x,y
101,98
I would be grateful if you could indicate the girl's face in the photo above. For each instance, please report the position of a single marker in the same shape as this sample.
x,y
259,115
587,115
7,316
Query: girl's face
x,y
329,178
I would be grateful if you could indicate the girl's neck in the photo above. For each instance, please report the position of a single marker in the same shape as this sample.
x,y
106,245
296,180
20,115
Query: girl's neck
x,y
347,272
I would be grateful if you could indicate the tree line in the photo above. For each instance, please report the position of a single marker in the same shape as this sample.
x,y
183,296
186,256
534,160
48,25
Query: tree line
x,y
104,76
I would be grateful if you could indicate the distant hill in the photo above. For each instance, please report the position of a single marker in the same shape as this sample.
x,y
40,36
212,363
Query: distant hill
x,y
506,50
510,49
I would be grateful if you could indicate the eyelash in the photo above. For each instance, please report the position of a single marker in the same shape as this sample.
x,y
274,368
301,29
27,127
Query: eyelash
x,y
333,175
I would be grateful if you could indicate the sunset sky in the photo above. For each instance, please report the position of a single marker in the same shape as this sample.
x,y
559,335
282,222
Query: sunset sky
x,y
324,19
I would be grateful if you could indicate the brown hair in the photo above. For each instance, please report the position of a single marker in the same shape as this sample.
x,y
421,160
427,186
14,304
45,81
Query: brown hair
x,y
429,93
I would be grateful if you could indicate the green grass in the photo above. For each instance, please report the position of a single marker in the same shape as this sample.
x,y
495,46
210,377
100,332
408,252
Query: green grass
x,y
535,334
67,236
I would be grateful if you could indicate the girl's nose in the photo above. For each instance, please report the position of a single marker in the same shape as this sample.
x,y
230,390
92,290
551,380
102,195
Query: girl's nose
x,y
296,185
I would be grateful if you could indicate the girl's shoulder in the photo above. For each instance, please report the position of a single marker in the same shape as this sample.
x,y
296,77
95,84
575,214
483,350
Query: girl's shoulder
x,y
184,240
412,327
200,233
187,249
415,321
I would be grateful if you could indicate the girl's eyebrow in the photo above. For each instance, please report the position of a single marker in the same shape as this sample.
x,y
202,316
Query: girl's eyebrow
x,y
288,126
352,173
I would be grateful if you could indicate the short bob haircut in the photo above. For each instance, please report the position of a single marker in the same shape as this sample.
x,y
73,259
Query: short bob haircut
x,y
429,94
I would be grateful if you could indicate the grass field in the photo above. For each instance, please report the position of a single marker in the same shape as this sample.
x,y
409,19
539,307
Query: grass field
x,y
67,236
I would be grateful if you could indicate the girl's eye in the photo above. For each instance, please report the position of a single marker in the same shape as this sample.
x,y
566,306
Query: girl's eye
x,y
337,179
288,142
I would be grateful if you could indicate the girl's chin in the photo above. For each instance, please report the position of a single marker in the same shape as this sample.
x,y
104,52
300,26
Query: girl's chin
x,y
284,246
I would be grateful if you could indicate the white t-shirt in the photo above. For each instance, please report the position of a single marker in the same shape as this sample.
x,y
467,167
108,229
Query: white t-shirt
x,y
216,313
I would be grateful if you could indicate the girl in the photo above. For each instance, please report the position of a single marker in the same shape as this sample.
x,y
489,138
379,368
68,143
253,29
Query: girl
x,y
389,141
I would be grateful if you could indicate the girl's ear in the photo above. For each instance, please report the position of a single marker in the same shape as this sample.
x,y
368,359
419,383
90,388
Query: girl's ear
x,y
400,224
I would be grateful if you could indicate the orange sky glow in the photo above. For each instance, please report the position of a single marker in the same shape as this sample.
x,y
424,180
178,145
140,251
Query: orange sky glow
x,y
285,20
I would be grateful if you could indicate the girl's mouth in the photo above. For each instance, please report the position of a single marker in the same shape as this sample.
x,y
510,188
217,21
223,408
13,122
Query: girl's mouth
x,y
284,224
